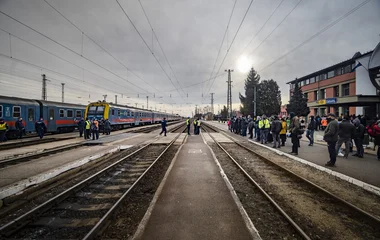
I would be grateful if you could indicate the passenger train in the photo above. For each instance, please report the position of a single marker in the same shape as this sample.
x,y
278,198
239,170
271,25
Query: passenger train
x,y
58,117
122,116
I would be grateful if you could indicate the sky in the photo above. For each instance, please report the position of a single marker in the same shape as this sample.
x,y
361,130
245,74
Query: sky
x,y
173,53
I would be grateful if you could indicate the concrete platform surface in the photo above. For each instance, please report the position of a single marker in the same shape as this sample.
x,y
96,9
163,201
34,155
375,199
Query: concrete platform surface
x,y
364,169
195,202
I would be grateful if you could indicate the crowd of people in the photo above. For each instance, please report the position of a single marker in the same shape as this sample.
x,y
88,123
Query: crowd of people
x,y
347,130
93,127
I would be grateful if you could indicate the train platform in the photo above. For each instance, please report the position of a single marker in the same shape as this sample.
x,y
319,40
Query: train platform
x,y
364,169
194,201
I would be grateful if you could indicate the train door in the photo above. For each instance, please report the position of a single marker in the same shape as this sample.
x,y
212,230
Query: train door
x,y
30,119
51,118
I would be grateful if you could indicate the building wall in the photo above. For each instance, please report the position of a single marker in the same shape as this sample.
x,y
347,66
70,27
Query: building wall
x,y
364,86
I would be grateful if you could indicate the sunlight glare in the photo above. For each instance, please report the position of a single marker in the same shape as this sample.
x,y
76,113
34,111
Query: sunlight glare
x,y
244,64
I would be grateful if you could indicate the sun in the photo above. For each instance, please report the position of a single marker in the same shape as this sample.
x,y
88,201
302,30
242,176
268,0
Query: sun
x,y
244,64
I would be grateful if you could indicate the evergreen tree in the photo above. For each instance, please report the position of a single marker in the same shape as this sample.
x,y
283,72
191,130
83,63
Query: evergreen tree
x,y
224,112
298,102
268,98
252,80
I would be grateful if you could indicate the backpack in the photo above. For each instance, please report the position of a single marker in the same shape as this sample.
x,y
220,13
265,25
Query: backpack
x,y
373,130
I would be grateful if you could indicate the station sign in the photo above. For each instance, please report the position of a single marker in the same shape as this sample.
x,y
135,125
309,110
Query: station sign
x,y
331,100
321,102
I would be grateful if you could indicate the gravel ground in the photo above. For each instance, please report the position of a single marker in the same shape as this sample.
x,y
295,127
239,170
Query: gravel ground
x,y
135,205
318,215
267,220
47,192
349,192
56,213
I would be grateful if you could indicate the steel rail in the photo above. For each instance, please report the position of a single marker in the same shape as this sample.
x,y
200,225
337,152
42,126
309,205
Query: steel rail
x,y
365,213
271,200
100,226
24,219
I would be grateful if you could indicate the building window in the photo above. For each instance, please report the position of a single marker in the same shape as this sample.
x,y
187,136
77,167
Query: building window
x,y
317,78
322,77
1,111
345,89
307,81
113,112
305,95
61,113
315,95
302,83
338,71
70,113
347,69
331,74
336,91
312,80
16,112
322,94
336,110
78,113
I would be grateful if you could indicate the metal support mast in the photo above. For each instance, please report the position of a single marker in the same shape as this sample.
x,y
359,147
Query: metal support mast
x,y
229,95
105,98
63,92
44,91
212,103
147,102
115,99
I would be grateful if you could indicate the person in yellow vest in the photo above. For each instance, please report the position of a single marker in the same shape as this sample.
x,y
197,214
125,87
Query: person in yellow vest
x,y
283,130
198,126
3,130
188,125
195,124
264,129
87,125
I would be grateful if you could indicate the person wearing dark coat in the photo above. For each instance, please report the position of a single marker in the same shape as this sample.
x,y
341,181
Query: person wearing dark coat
x,y
163,126
345,134
331,137
19,127
40,127
251,125
311,127
81,125
244,125
107,126
276,127
358,138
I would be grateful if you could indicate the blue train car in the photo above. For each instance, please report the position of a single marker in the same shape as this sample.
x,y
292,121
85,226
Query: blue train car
x,y
61,117
12,108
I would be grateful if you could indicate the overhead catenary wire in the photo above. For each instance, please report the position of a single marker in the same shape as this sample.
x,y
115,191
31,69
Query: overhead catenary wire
x,y
159,44
328,26
146,44
73,51
278,25
100,46
232,42
221,44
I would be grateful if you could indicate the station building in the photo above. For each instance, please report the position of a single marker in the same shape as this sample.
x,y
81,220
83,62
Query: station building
x,y
343,88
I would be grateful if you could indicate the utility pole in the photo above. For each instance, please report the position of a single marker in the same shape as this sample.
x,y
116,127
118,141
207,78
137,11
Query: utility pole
x,y
254,100
212,103
196,109
44,90
115,99
136,105
229,95
147,102
105,98
63,92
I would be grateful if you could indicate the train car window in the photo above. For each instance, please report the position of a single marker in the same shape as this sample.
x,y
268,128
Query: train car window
x,y
118,112
1,111
78,113
16,112
61,113
70,113
31,115
133,114
100,110
51,114
92,110
113,112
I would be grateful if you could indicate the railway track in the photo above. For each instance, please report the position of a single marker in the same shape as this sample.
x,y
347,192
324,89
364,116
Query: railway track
x,y
83,210
312,211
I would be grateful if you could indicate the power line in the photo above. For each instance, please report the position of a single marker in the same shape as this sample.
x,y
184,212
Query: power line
x,y
262,27
72,51
221,44
276,27
121,63
316,34
146,44
225,56
159,44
